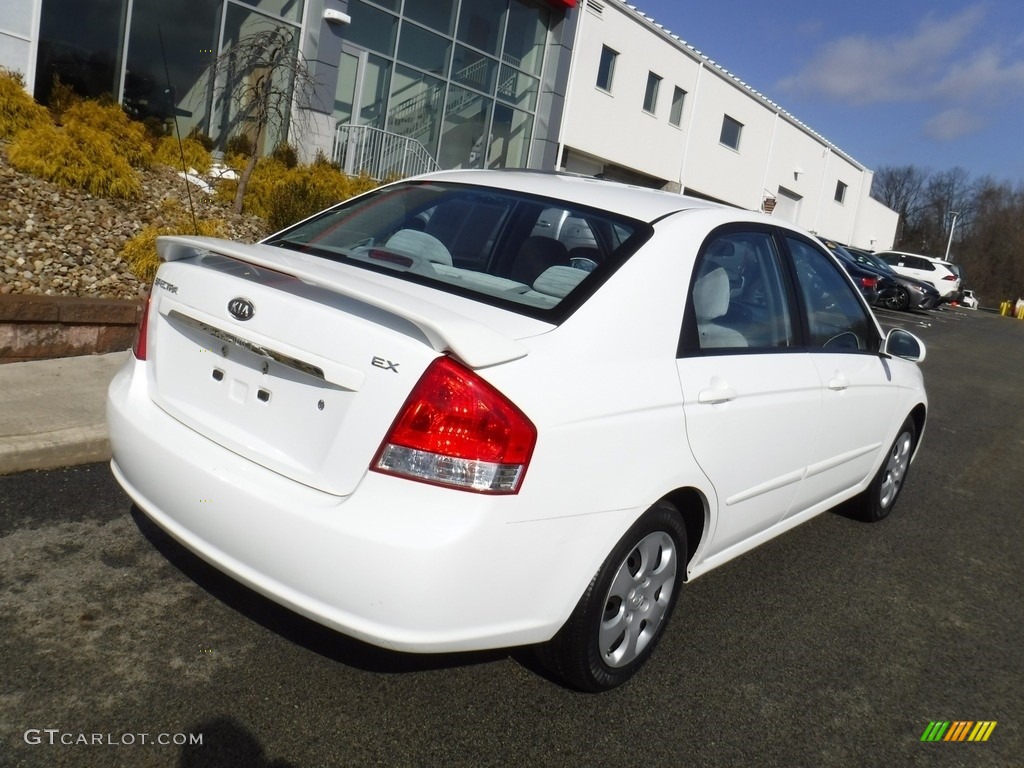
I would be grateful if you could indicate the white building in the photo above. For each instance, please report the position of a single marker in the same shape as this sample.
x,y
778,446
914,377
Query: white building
x,y
590,86
644,106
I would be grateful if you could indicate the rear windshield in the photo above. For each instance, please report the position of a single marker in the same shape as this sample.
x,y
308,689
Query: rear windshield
x,y
536,255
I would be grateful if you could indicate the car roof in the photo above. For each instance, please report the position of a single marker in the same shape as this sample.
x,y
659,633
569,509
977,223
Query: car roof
x,y
635,202
936,259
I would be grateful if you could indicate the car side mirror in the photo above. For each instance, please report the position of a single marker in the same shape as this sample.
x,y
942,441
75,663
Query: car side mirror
x,y
901,343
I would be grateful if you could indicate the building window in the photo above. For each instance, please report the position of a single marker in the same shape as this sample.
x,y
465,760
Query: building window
x,y
651,94
840,192
731,130
676,116
606,69
77,45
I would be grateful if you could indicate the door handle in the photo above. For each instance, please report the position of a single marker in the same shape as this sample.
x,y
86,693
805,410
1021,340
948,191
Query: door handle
x,y
838,383
713,396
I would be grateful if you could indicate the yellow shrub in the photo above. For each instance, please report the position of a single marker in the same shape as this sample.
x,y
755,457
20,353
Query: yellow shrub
x,y
91,120
263,184
283,195
140,252
168,152
95,150
18,110
82,159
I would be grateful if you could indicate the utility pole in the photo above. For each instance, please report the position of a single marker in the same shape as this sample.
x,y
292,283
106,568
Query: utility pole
x,y
952,226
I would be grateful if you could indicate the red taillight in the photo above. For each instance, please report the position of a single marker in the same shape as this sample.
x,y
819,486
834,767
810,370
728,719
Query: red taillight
x,y
457,430
139,347
950,277
869,282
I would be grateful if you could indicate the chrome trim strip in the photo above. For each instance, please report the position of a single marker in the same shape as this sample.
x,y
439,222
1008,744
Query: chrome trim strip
x,y
270,354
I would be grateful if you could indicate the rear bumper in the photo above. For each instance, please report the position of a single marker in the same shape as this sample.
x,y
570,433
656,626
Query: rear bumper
x,y
398,564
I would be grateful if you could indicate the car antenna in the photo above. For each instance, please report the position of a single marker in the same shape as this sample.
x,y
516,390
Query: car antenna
x,y
177,133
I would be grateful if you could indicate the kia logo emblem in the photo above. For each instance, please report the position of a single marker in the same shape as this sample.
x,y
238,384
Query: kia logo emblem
x,y
241,309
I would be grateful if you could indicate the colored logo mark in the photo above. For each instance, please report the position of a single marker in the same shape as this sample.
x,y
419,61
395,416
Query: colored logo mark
x,y
958,730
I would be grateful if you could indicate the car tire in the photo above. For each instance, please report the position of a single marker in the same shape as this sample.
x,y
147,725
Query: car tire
x,y
617,623
880,497
901,301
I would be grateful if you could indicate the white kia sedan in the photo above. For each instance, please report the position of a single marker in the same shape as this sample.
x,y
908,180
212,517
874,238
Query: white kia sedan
x,y
426,420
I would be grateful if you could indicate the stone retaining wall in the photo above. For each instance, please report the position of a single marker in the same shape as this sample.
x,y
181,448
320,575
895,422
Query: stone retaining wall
x,y
41,327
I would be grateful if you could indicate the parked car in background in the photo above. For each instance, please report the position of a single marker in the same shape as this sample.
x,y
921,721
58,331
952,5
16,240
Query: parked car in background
x,y
938,273
877,286
969,299
411,419
910,292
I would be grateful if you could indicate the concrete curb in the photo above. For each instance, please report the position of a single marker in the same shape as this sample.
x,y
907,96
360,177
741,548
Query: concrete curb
x,y
53,412
61,448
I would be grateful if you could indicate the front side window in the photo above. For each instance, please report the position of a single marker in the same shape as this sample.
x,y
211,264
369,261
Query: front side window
x,y
836,319
606,69
651,93
738,299
731,130
840,192
534,255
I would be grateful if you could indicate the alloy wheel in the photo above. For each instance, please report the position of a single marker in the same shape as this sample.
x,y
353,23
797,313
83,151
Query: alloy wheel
x,y
637,601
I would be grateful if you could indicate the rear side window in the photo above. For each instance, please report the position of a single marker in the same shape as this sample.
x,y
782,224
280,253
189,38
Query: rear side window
x,y
532,254
739,299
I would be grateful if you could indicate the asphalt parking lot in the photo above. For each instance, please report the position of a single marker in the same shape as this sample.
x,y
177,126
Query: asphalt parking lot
x,y
834,645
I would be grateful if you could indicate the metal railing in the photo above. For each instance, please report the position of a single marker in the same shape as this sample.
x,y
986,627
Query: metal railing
x,y
379,153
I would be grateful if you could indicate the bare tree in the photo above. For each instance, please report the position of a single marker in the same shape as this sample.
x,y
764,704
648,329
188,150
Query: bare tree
x,y
948,193
991,251
901,189
265,86
988,241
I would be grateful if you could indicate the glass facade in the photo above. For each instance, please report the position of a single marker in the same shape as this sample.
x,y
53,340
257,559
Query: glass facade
x,y
462,77
80,44
155,56
152,91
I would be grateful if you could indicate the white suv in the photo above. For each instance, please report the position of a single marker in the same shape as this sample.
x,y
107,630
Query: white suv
x,y
933,271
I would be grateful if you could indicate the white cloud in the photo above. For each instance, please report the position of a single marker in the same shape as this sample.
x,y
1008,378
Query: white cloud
x,y
939,63
952,124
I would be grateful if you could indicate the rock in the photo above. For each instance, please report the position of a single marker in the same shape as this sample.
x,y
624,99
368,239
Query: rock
x,y
64,242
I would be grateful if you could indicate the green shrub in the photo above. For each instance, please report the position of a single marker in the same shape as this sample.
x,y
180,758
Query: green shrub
x,y
196,134
286,154
18,110
239,144
307,189
283,195
156,128
140,252
168,152
61,97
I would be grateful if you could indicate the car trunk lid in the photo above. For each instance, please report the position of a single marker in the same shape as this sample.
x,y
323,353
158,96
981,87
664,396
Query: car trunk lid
x,y
297,365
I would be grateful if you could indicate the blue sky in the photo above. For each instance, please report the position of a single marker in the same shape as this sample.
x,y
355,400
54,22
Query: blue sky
x,y
935,84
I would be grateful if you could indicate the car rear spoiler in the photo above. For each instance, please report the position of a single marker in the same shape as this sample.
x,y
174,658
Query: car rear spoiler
x,y
474,343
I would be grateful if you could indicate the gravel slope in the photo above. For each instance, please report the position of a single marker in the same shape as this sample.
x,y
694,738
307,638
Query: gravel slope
x,y
64,242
